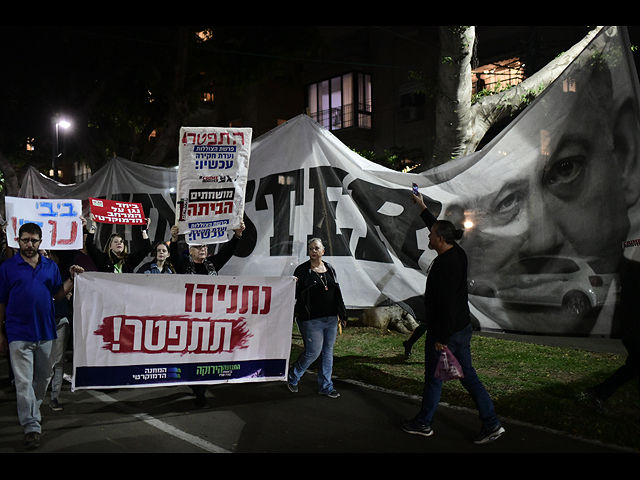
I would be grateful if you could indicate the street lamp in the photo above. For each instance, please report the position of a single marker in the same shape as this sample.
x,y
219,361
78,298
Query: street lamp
x,y
56,153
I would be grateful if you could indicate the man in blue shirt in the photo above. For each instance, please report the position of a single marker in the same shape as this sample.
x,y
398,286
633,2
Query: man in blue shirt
x,y
29,283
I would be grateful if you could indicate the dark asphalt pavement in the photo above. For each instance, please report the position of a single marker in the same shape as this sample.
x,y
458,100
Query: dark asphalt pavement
x,y
263,418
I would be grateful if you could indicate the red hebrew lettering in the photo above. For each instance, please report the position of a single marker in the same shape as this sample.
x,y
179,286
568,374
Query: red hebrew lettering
x,y
169,334
186,138
54,234
267,301
201,298
188,298
14,224
239,134
234,299
254,291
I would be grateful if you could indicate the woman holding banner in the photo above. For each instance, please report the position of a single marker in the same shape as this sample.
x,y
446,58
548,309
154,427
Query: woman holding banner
x,y
198,262
319,304
114,258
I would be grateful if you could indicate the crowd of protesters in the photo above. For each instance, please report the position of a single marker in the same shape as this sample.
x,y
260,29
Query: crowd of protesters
x,y
38,366
37,356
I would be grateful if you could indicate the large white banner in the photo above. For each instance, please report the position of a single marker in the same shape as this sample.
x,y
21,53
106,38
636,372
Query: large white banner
x,y
554,201
212,178
60,221
158,330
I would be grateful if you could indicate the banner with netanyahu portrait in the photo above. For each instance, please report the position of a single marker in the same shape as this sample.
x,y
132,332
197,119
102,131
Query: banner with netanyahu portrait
x,y
550,207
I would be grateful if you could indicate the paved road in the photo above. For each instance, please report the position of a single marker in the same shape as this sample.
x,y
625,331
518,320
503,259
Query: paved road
x,y
261,418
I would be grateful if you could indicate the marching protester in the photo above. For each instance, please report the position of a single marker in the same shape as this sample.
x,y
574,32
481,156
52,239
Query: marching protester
x,y
198,262
319,308
114,257
415,336
449,326
29,284
627,316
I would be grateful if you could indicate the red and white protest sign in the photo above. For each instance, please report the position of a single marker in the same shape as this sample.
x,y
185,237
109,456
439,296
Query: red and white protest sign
x,y
59,219
118,213
134,331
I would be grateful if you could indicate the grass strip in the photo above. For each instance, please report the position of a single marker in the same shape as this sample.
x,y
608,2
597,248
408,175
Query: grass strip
x,y
531,383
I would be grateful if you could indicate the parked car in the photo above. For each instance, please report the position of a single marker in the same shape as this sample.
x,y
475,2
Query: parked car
x,y
565,282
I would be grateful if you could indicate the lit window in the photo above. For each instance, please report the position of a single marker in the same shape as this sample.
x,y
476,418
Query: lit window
x,y
341,102
498,76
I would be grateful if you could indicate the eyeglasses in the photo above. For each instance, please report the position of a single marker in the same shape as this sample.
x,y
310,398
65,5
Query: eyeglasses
x,y
33,241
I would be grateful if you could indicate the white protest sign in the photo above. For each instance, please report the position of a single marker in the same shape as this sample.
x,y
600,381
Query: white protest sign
x,y
60,221
212,179
151,330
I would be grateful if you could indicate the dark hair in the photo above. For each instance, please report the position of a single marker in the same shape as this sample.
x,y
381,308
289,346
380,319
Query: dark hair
x,y
154,252
447,231
32,228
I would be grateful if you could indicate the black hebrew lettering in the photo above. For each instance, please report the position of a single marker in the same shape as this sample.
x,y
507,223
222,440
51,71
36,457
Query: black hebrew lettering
x,y
398,230
279,186
324,211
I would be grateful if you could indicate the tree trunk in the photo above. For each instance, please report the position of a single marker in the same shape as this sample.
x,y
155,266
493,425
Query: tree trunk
x,y
453,103
460,126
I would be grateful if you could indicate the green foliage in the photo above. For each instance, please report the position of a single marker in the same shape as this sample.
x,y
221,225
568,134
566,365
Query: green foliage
x,y
396,159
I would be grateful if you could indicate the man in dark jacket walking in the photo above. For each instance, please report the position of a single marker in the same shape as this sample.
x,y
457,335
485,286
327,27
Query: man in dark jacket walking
x,y
449,326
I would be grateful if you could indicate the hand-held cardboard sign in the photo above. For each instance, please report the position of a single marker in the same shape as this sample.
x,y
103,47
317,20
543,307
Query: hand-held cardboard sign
x,y
60,221
117,213
212,180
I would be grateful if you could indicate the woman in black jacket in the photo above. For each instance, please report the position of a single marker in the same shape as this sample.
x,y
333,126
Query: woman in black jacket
x,y
319,306
114,258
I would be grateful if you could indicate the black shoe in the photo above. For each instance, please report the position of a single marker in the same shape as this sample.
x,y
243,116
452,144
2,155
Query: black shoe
x,y
31,441
55,405
417,429
597,402
331,394
489,435
407,348
201,402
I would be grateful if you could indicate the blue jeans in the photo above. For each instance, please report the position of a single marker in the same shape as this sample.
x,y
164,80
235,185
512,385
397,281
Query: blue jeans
x,y
319,336
460,346
59,349
32,365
